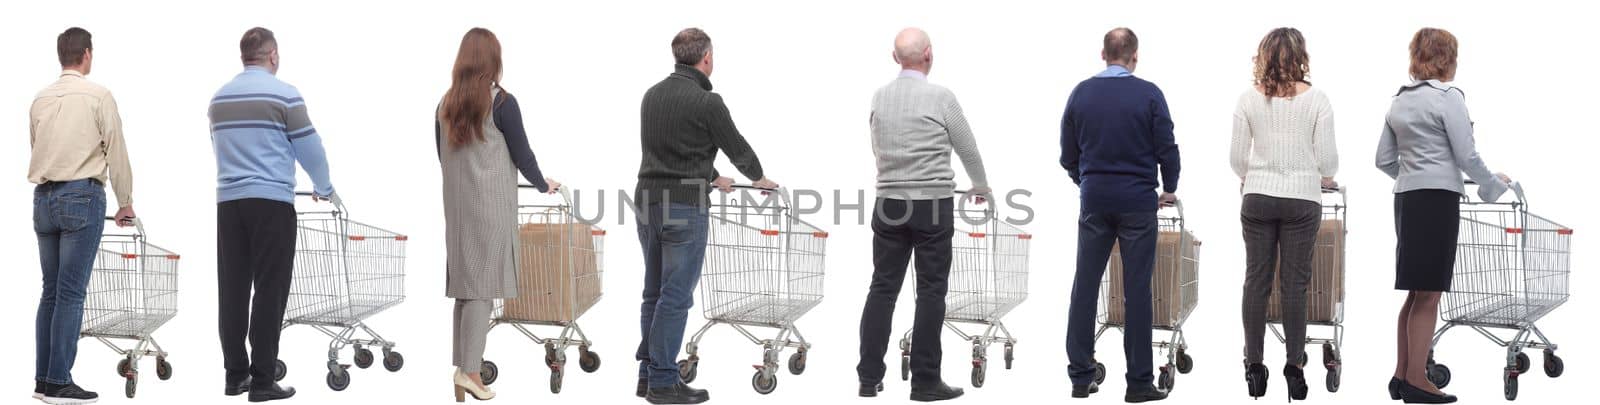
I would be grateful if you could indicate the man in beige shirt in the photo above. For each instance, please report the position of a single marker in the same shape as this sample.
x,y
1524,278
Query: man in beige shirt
x,y
76,137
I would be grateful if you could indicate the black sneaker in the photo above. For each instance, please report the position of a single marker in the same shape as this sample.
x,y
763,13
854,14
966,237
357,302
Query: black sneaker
x,y
677,394
870,390
1083,391
39,387
938,392
643,388
1146,393
69,394
271,392
236,389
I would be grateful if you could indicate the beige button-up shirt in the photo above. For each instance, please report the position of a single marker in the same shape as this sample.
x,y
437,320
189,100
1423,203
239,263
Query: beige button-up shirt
x,y
76,134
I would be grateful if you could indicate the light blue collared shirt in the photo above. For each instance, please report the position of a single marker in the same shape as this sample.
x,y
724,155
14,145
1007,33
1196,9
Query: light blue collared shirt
x,y
1114,71
913,74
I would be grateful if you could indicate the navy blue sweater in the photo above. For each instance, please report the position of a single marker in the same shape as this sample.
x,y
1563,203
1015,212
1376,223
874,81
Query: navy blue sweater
x,y
1116,134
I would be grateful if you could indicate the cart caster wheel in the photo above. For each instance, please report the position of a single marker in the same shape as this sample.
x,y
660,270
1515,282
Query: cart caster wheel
x,y
556,376
1166,380
1333,378
489,372
588,361
131,387
393,361
338,381
979,374
1329,356
1099,372
282,371
1185,363
763,383
1510,378
1523,363
688,370
124,367
363,358
797,363
549,356
905,367
163,369
1303,359
1553,366
1010,355
1439,375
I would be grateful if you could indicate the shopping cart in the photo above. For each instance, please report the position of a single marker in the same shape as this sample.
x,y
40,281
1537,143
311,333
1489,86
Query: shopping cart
x,y
1175,291
988,278
559,280
1325,295
763,269
345,271
132,292
1512,269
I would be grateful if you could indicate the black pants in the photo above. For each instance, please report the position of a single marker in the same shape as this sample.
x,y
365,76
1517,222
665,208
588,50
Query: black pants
x,y
900,230
255,249
1280,235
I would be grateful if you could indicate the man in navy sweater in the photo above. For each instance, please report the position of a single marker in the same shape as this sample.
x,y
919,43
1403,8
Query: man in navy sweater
x,y
1116,135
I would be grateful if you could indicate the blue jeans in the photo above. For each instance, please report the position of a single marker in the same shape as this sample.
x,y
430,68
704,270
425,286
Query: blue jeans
x,y
68,218
673,238
1136,232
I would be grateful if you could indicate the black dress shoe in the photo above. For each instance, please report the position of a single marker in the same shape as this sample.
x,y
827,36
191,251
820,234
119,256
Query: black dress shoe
x,y
1413,395
270,393
870,390
1083,391
1146,393
1296,378
234,389
1394,388
937,392
1255,379
68,394
676,394
643,388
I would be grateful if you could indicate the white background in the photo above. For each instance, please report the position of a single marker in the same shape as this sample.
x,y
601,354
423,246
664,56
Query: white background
x,y
798,77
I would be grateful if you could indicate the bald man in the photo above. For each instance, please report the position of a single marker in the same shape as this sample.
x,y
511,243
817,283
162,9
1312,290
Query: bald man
x,y
915,127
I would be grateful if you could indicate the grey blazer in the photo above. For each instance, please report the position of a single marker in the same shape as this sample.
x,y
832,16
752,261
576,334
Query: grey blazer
x,y
1427,142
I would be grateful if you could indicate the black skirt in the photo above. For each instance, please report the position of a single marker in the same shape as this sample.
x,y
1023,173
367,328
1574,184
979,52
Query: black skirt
x,y
1426,224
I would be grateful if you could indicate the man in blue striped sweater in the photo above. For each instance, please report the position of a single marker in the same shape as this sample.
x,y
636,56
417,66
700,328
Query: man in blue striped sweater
x,y
259,129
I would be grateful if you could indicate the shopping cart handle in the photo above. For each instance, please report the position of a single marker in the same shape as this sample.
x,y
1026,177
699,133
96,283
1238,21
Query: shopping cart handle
x,y
138,225
565,196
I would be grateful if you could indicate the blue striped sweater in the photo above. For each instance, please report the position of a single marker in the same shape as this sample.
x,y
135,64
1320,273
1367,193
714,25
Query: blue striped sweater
x,y
259,129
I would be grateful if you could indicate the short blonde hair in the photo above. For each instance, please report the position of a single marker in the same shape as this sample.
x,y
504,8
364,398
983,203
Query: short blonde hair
x,y
1433,55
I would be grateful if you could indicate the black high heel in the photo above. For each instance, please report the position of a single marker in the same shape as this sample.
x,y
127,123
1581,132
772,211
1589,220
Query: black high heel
x,y
1394,388
1255,377
1296,378
1413,395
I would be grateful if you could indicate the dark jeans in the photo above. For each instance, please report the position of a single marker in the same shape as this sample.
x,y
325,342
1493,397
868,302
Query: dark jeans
x,y
1273,228
255,249
1136,233
68,218
901,229
673,238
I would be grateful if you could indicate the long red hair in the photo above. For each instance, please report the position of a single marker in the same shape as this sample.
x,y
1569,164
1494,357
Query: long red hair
x,y
467,103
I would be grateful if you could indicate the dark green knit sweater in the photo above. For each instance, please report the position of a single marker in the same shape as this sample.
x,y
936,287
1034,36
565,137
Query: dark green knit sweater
x,y
682,125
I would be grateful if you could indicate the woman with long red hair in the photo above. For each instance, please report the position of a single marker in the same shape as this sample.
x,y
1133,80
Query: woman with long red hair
x,y
482,147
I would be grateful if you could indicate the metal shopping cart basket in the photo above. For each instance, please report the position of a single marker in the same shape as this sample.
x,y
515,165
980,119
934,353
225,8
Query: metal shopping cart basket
x,y
558,281
1175,291
988,278
1512,268
1325,295
763,269
345,271
132,292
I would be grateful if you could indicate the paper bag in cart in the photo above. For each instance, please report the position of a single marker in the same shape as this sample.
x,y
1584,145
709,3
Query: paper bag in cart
x,y
558,278
1174,283
1326,292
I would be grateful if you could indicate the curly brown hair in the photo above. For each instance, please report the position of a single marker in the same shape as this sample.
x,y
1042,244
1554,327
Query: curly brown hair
x,y
1282,62
1433,55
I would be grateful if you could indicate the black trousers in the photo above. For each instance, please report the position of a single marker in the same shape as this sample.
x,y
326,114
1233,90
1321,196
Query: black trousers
x,y
902,229
255,250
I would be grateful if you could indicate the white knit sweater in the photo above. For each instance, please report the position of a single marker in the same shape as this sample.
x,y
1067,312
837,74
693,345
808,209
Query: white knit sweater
x,y
1283,147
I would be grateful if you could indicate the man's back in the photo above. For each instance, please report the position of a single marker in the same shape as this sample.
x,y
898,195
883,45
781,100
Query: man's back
x,y
1116,135
76,133
915,127
682,125
259,128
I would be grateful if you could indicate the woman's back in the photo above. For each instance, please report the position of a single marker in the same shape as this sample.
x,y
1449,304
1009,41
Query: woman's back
x,y
1284,146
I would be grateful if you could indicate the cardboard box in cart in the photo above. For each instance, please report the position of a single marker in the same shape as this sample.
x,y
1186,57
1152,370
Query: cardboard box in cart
x,y
559,276
1173,285
1326,292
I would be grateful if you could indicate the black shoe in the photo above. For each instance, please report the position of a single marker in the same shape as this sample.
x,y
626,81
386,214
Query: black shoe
x,y
870,390
937,392
1083,391
643,388
1394,388
1144,394
56,394
39,387
1413,395
235,389
1255,377
1296,378
677,394
270,393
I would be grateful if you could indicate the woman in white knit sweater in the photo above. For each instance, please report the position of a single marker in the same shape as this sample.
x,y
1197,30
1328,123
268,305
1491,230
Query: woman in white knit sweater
x,y
1284,154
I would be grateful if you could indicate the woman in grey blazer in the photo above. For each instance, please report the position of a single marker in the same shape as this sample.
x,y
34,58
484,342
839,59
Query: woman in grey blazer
x,y
1427,144
482,146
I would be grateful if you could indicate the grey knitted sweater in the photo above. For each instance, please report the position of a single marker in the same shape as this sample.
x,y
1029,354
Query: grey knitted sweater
x,y
915,126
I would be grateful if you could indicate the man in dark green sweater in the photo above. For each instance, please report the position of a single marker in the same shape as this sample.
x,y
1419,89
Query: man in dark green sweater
x,y
682,125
